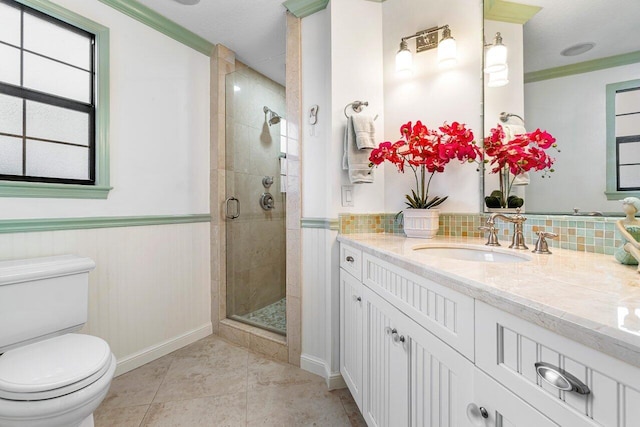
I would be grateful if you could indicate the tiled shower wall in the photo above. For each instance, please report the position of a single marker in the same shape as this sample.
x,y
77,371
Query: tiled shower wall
x,y
579,233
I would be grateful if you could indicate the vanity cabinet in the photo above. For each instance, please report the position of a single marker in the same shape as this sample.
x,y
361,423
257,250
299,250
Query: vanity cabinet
x,y
417,353
399,373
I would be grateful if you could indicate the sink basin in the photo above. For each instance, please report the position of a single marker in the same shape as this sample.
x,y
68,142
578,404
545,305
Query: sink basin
x,y
466,253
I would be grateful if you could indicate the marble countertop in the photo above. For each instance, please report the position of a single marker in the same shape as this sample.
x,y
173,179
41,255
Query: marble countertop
x,y
589,298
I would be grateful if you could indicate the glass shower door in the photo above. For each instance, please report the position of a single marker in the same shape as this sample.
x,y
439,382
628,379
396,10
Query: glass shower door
x,y
255,212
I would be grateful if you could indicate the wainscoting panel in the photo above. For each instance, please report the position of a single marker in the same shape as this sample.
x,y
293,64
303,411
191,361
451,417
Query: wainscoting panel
x,y
150,292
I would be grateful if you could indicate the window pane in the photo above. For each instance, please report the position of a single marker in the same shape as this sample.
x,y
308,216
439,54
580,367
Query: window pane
x,y
628,102
52,77
628,125
56,42
629,152
10,114
45,159
56,123
9,65
629,177
10,155
9,24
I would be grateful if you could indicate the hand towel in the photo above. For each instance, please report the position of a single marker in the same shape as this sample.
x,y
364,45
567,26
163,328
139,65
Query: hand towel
x,y
365,131
510,133
354,160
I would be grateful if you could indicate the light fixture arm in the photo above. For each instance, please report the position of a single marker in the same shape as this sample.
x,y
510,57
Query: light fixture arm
x,y
447,32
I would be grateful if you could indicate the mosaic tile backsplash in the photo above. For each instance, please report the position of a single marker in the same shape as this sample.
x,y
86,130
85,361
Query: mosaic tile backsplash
x,y
587,234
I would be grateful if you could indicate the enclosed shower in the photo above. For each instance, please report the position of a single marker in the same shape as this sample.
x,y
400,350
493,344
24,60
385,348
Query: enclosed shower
x,y
255,164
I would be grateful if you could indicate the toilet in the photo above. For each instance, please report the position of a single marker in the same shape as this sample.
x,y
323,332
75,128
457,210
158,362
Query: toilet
x,y
49,376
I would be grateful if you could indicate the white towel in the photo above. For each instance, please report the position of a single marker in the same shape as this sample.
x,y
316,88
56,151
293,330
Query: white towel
x,y
510,132
365,131
354,160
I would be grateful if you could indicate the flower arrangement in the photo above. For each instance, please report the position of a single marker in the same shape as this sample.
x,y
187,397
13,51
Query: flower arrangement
x,y
427,152
524,153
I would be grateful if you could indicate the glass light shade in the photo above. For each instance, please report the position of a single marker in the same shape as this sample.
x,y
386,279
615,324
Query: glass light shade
x,y
447,52
496,59
499,78
404,61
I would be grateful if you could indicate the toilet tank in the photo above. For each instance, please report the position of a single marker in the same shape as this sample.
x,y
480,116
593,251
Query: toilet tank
x,y
42,298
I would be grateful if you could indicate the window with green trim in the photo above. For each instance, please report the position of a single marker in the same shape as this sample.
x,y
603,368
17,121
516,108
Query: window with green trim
x,y
623,140
52,100
628,139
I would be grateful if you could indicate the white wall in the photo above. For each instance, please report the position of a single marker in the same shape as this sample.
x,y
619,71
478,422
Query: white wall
x,y
573,110
434,95
151,290
159,133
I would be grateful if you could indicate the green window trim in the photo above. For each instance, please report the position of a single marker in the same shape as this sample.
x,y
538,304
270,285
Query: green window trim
x,y
612,191
70,191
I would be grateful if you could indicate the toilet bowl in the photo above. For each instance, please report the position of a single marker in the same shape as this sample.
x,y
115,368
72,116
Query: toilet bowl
x,y
49,377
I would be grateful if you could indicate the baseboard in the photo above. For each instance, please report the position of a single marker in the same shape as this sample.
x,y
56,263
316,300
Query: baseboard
x,y
335,381
317,366
149,354
314,365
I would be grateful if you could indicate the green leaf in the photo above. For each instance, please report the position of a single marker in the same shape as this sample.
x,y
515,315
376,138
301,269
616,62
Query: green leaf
x,y
436,201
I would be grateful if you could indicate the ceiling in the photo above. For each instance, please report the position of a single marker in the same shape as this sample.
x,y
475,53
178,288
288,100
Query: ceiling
x,y
254,29
611,24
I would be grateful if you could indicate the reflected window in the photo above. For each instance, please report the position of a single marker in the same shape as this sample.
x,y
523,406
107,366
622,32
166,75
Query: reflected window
x,y
47,98
627,105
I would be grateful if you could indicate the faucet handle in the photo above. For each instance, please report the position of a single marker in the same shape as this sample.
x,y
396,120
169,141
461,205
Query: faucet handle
x,y
542,247
493,236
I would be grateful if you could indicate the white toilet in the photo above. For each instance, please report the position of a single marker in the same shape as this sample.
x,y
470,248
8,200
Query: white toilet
x,y
49,377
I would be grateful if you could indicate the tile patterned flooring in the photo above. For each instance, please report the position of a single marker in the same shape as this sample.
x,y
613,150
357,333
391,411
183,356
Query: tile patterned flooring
x,y
274,316
214,383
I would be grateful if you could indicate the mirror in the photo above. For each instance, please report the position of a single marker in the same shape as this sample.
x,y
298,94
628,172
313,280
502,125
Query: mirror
x,y
561,61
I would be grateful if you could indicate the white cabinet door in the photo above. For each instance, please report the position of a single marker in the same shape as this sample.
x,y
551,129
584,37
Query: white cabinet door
x,y
501,407
351,334
386,365
441,379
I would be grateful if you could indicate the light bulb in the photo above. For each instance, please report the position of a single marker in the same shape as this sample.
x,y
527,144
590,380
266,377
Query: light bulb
x,y
447,50
404,60
496,58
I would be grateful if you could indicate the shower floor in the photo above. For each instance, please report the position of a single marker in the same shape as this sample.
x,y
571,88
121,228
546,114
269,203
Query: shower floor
x,y
272,317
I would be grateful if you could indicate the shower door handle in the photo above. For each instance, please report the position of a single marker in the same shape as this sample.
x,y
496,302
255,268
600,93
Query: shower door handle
x,y
226,208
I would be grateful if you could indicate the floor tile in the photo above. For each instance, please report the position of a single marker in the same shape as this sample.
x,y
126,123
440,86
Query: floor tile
x,y
119,417
137,387
209,367
229,410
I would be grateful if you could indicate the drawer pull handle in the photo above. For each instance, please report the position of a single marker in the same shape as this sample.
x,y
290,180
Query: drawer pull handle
x,y
560,379
350,259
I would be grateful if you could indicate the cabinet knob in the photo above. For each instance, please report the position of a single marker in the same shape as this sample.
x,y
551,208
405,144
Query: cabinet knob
x,y
477,415
350,259
357,298
560,379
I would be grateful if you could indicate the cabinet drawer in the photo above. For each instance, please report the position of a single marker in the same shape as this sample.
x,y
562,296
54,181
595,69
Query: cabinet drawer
x,y
508,347
445,313
351,260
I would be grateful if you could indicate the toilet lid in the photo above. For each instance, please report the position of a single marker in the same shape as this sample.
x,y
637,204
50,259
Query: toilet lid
x,y
53,367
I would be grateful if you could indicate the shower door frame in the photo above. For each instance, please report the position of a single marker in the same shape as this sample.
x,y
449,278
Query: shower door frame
x,y
287,348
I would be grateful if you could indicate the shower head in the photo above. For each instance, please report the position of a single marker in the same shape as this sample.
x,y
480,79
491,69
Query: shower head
x,y
273,118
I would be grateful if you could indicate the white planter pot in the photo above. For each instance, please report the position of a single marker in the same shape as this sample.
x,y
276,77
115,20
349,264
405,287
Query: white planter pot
x,y
421,223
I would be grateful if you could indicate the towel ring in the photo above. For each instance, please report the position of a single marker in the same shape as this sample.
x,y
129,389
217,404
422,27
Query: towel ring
x,y
356,106
504,117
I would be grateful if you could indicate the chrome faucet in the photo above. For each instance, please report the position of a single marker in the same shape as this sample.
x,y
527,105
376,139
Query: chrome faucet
x,y
518,237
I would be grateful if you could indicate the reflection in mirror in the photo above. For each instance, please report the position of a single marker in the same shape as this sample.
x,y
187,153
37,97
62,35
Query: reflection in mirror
x,y
574,70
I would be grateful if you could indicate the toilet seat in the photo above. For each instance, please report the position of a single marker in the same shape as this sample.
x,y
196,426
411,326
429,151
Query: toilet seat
x,y
53,367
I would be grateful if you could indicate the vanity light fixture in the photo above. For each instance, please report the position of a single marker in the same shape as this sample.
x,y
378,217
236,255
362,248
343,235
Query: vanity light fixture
x,y
426,40
496,56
